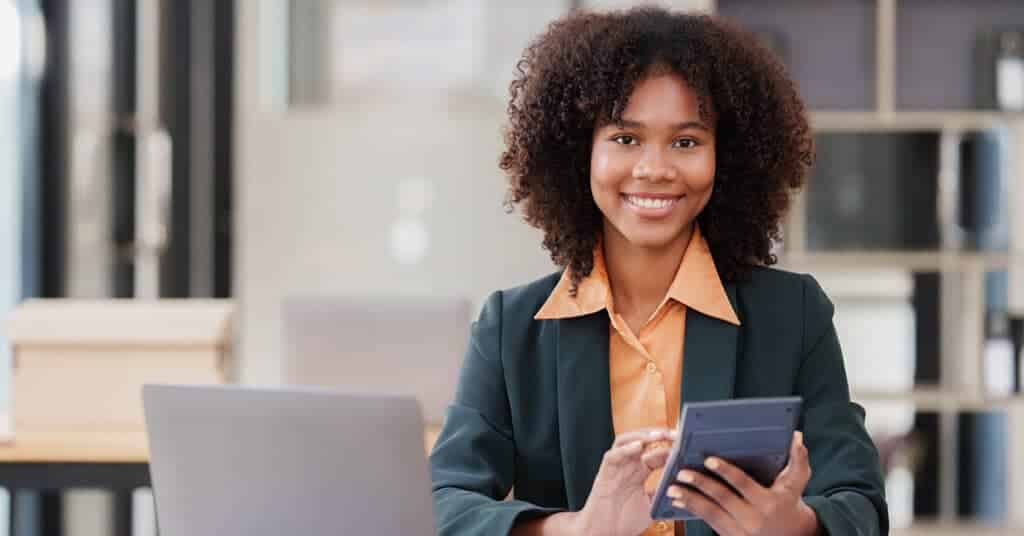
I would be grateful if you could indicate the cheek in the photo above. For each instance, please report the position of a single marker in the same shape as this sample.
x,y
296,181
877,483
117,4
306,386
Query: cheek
x,y
702,177
600,164
603,174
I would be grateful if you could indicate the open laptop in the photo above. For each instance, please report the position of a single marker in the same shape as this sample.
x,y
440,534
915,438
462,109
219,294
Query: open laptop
x,y
407,345
267,462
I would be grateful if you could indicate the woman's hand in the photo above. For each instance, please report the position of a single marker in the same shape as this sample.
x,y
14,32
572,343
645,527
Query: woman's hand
x,y
756,510
618,503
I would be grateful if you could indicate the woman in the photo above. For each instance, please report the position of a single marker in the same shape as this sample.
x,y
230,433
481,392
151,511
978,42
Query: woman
x,y
657,152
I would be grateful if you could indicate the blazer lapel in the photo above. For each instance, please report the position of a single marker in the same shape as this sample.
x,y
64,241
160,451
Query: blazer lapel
x,y
709,368
584,402
709,355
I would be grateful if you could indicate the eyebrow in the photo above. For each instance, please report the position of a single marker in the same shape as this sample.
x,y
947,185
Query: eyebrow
x,y
630,123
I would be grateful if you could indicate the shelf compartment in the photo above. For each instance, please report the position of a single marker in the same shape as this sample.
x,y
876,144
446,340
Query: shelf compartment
x,y
834,69
936,48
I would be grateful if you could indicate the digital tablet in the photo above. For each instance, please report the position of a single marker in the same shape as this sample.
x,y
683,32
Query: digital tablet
x,y
753,434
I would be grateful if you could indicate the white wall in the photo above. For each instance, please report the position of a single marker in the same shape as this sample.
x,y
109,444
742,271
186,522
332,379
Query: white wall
x,y
317,195
317,189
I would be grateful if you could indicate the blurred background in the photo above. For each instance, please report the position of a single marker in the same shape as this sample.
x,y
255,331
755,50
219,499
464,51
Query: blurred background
x,y
314,165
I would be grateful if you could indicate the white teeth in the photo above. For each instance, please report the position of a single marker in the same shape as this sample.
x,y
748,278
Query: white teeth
x,y
647,202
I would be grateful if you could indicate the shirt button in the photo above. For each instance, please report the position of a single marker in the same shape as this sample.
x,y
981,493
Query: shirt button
x,y
651,367
661,526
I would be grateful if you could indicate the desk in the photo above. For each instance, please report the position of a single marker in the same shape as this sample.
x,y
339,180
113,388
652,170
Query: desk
x,y
115,461
52,462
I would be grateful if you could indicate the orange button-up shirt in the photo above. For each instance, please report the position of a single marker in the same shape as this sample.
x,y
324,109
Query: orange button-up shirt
x,y
646,367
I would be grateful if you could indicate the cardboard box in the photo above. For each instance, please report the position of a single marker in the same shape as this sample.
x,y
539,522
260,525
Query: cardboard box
x,y
81,364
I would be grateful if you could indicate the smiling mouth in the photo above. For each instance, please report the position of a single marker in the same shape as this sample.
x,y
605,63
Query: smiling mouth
x,y
651,202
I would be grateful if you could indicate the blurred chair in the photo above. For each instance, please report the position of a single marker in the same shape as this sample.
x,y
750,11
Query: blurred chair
x,y
401,345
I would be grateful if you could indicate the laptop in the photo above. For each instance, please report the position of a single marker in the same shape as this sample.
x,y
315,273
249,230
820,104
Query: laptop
x,y
231,460
406,345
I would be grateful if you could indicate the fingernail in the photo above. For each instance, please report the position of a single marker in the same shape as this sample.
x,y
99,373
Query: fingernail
x,y
655,435
712,463
636,444
685,476
674,492
679,504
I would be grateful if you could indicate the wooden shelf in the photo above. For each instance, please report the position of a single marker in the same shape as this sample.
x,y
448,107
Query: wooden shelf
x,y
936,399
917,261
956,529
872,121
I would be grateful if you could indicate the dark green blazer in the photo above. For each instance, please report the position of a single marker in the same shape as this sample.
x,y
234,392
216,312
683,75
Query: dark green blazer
x,y
532,409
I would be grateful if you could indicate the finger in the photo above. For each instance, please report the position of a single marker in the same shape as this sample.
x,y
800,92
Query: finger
x,y
655,459
736,506
706,509
622,454
798,471
748,488
647,435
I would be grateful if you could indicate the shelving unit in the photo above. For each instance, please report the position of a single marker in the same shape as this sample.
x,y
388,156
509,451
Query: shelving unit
x,y
907,121
955,529
939,399
908,66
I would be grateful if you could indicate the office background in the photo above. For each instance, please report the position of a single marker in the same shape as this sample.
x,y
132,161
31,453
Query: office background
x,y
259,150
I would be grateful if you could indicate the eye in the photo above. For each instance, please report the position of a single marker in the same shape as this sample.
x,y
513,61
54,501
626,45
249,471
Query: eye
x,y
624,139
685,143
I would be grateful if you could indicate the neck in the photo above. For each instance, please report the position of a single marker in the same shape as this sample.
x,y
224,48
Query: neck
x,y
640,277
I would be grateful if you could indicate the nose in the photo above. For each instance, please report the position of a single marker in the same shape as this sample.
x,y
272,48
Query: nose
x,y
654,167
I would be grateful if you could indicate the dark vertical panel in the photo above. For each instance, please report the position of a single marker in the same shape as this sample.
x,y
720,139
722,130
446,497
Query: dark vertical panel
x,y
196,105
122,514
926,302
223,174
53,154
124,25
176,78
202,148
928,469
982,466
51,515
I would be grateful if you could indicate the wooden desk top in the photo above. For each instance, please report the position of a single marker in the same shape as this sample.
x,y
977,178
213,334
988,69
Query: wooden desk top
x,y
76,447
96,447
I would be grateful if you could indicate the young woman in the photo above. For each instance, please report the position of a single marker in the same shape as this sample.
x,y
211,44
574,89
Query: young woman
x,y
657,151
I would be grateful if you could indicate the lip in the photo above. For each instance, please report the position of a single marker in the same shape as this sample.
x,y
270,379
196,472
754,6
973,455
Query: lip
x,y
651,212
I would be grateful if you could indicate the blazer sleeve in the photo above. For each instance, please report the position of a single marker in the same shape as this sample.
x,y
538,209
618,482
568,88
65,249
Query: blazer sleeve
x,y
846,489
473,461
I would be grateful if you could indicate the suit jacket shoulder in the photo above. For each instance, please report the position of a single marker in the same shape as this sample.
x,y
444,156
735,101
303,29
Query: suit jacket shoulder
x,y
782,300
526,300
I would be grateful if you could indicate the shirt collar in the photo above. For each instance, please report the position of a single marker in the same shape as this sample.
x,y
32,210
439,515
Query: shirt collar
x,y
696,285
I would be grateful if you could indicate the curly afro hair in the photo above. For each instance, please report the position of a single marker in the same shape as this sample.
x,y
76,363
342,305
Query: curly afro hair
x,y
579,74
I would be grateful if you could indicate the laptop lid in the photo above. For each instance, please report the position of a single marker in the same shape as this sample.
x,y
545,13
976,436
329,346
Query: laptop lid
x,y
266,462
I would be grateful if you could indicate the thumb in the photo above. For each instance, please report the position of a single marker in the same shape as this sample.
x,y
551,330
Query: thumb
x,y
798,471
655,459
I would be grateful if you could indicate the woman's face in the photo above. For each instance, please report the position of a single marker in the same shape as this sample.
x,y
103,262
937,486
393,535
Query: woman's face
x,y
652,173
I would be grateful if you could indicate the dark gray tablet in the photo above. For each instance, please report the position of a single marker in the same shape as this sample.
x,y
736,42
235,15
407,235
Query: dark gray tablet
x,y
754,434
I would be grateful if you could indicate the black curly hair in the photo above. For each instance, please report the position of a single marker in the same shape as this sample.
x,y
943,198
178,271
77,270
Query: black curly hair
x,y
579,74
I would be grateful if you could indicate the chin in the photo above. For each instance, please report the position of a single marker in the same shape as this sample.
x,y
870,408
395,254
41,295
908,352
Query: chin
x,y
655,240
